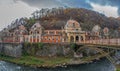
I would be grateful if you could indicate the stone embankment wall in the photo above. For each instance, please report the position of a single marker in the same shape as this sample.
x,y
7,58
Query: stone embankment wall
x,y
16,50
50,50
10,49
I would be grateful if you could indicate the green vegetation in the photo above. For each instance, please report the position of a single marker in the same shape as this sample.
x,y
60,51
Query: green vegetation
x,y
30,22
40,45
36,61
33,48
74,46
118,68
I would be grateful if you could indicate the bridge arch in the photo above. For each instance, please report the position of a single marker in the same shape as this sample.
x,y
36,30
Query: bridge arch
x,y
102,52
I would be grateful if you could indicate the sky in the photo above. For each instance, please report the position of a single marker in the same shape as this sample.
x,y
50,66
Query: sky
x,y
13,9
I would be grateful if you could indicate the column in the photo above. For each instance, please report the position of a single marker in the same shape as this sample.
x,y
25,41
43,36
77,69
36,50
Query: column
x,y
83,39
63,40
48,32
32,38
69,39
79,39
74,39
40,37
55,32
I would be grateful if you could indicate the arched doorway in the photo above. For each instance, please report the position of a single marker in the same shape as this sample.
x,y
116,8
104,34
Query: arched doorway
x,y
71,39
81,38
77,38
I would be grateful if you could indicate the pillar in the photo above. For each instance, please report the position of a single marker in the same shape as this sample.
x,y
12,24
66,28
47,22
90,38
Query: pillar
x,y
48,32
63,39
79,39
84,39
69,39
40,38
32,38
74,39
55,32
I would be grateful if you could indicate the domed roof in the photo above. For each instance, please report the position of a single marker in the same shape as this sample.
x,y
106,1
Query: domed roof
x,y
96,28
72,24
105,30
21,27
36,26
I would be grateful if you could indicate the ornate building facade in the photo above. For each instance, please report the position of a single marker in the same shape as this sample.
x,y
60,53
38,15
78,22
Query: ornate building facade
x,y
35,33
70,32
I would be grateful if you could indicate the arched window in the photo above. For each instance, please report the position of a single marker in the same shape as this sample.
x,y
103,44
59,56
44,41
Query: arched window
x,y
73,24
37,32
77,38
72,39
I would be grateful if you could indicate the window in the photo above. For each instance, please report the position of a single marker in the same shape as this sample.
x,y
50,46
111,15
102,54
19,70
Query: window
x,y
56,38
52,38
35,26
34,36
76,29
73,24
31,37
37,36
48,38
51,32
30,32
37,32
34,32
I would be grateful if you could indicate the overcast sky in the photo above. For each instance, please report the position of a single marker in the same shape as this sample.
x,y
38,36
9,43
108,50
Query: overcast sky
x,y
13,9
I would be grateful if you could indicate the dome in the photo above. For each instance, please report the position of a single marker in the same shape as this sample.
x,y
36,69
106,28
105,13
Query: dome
x,y
21,27
72,24
105,30
36,25
96,28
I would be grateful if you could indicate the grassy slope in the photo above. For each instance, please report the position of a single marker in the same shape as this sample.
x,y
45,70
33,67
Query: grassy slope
x,y
37,61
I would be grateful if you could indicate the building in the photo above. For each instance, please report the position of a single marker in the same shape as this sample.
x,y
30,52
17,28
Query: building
x,y
69,32
35,33
72,32
52,36
106,32
16,35
95,33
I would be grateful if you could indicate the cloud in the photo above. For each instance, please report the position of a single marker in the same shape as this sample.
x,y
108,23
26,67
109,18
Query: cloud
x,y
43,3
11,10
115,3
58,3
109,11
75,3
78,3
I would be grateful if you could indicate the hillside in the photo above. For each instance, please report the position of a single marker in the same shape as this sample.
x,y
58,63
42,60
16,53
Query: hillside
x,y
87,19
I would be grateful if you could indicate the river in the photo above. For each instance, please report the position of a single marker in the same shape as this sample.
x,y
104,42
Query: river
x,y
101,65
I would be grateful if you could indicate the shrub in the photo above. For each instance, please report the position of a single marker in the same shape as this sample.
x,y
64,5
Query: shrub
x,y
74,46
40,45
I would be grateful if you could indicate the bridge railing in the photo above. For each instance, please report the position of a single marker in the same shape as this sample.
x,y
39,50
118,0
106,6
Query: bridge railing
x,y
104,41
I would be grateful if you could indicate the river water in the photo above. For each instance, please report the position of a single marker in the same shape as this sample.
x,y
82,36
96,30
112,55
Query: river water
x,y
101,65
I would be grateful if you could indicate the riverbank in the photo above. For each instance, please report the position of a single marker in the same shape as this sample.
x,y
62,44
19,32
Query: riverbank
x,y
48,62
33,61
118,67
